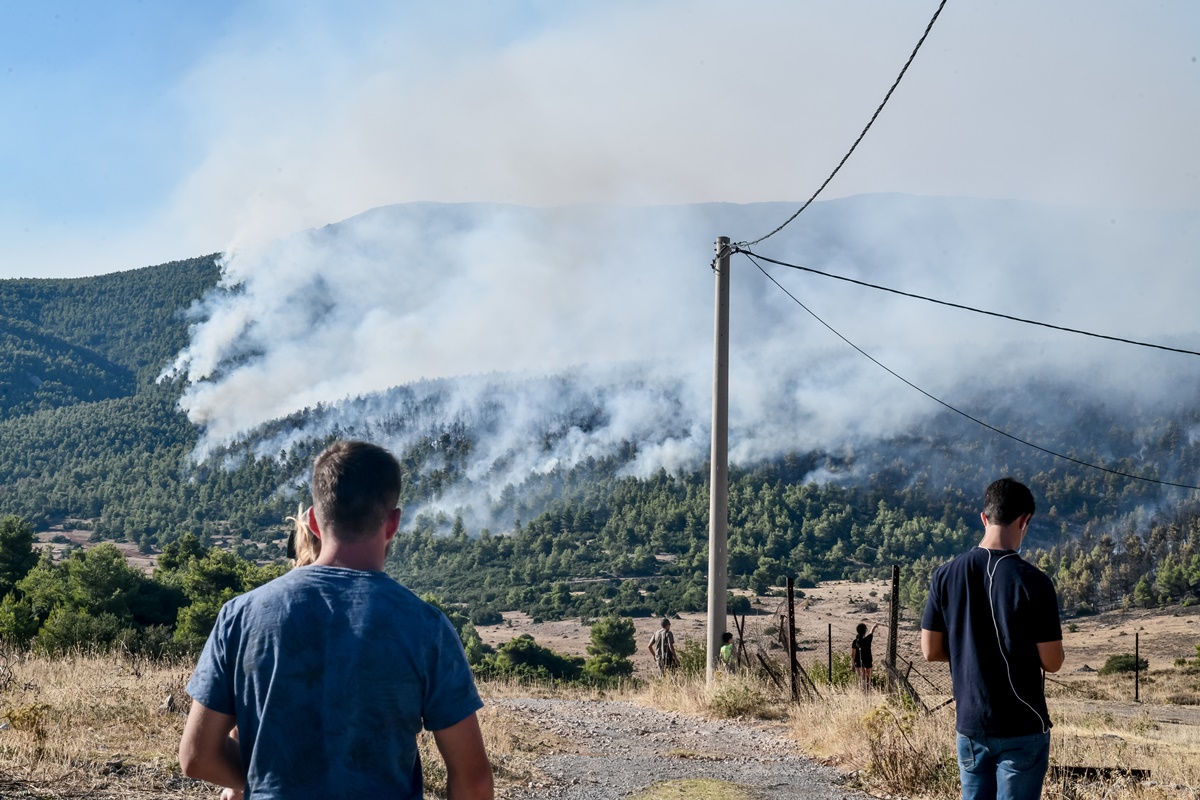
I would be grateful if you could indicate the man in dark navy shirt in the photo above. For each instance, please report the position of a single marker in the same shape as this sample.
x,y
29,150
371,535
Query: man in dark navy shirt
x,y
994,617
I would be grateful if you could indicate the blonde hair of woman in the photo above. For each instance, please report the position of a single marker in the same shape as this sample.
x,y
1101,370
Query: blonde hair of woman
x,y
303,546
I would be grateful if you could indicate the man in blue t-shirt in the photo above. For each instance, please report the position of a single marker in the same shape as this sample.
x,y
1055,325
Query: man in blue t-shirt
x,y
994,617
331,671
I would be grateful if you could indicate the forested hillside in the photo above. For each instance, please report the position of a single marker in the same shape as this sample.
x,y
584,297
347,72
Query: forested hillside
x,y
500,518
133,319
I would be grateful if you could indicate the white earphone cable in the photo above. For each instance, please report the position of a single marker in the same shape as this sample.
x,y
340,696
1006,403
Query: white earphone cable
x,y
991,571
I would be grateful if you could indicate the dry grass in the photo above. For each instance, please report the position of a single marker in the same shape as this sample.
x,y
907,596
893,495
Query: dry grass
x,y
890,748
1172,686
729,697
92,725
695,790
512,745
883,744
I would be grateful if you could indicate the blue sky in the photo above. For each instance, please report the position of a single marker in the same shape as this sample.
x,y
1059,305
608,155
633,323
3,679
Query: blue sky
x,y
136,133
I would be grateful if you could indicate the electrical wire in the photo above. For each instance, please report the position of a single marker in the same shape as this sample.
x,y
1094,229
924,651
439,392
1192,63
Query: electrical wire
x,y
946,405
752,256
854,146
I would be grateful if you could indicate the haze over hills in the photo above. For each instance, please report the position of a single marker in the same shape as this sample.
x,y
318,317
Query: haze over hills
x,y
562,334
546,372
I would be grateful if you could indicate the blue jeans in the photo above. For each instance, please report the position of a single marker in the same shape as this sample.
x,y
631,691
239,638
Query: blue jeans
x,y
1004,768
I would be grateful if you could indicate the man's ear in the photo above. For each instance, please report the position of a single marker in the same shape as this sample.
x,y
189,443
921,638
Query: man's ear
x,y
312,522
393,523
983,517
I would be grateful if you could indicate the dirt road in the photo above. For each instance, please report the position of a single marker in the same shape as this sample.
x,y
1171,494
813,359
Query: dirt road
x,y
618,748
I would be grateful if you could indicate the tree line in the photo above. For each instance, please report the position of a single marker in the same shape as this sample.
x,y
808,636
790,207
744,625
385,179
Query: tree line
x,y
105,448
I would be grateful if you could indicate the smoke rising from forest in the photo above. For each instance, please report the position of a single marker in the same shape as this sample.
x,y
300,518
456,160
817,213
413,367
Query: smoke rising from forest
x,y
562,334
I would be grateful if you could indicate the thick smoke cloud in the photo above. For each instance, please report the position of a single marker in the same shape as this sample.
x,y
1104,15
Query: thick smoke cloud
x,y
558,335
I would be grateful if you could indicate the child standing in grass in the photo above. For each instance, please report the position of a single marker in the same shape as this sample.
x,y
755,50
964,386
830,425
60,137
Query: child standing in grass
x,y
860,654
728,657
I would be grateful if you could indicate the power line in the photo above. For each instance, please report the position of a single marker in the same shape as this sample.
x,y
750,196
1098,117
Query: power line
x,y
854,146
752,256
943,403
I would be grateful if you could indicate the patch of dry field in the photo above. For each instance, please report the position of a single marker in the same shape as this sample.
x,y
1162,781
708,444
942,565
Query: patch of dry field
x,y
101,726
97,726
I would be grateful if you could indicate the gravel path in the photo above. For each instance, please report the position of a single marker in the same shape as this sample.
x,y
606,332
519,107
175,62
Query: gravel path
x,y
621,748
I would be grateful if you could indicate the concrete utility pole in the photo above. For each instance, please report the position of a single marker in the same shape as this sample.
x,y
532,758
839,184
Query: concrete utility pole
x,y
718,484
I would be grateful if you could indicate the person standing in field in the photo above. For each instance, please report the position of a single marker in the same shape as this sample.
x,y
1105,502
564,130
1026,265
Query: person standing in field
x,y
860,654
994,617
662,647
728,656
330,671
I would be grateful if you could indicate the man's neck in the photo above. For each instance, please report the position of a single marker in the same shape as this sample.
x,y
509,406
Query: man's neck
x,y
1001,537
363,556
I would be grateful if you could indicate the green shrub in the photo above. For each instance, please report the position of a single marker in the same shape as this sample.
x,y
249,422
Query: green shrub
x,y
843,671
607,668
612,635
742,698
739,605
524,659
1123,663
486,615
693,658
69,629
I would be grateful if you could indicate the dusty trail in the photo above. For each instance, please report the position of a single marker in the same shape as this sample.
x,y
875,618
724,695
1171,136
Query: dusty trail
x,y
617,748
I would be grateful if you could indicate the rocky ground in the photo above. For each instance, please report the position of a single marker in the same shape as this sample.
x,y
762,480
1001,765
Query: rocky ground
x,y
615,749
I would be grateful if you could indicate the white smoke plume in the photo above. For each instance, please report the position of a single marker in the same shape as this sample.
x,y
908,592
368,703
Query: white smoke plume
x,y
559,335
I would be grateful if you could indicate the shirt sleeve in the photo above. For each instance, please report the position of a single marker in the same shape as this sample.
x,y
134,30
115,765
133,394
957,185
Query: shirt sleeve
x,y
450,693
932,619
1047,627
211,685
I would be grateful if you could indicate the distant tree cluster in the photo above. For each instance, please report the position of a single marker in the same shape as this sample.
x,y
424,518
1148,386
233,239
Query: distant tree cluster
x,y
94,599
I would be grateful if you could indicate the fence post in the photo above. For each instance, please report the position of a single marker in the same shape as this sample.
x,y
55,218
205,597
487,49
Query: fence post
x,y
791,639
1136,667
831,654
893,624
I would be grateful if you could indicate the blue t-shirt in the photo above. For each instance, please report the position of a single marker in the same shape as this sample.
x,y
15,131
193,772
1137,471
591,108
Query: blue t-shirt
x,y
331,673
994,608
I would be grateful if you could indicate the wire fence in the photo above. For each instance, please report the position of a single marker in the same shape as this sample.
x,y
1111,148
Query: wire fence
x,y
822,654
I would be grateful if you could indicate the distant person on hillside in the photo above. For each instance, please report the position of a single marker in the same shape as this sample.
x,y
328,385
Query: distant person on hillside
x,y
728,656
860,654
331,671
662,647
994,617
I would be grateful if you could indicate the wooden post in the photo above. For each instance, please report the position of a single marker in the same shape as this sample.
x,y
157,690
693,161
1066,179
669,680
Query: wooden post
x,y
740,624
718,483
1136,667
831,654
894,627
791,604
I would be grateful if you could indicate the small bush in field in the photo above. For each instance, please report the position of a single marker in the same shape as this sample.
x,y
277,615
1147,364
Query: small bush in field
x,y
693,658
741,698
843,672
1123,663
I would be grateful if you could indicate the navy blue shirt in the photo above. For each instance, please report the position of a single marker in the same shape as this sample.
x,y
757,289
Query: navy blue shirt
x,y
994,609
331,673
